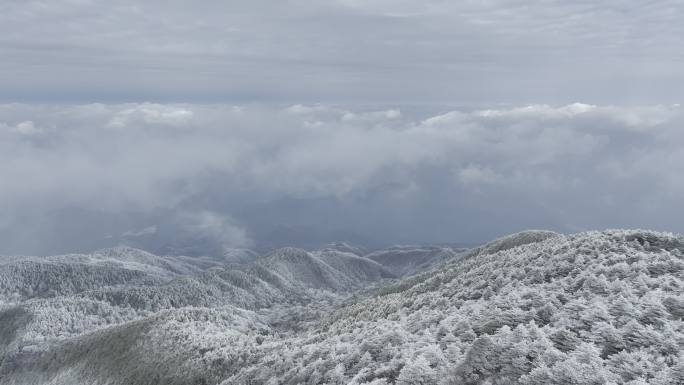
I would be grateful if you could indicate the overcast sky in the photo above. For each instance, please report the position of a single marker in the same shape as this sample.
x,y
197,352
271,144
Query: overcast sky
x,y
549,51
265,123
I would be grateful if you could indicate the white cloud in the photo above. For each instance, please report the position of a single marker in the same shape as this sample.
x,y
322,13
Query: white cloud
x,y
150,230
152,114
210,225
25,128
379,116
223,160
538,111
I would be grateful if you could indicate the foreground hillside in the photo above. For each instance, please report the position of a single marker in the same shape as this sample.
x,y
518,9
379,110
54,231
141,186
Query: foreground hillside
x,y
532,308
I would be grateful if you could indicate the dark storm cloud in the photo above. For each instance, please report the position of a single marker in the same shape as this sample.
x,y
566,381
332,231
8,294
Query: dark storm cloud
x,y
345,50
245,175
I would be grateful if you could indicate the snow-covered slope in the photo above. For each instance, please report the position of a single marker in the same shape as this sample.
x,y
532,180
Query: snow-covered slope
x,y
532,308
327,269
409,260
591,308
49,300
358,270
511,241
239,256
345,247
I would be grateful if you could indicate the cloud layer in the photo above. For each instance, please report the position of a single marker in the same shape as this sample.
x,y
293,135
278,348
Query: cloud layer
x,y
342,50
78,176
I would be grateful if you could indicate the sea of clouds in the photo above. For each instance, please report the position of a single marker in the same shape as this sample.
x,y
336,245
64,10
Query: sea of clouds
x,y
233,173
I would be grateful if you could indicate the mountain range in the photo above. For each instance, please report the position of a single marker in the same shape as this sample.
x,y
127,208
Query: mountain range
x,y
535,307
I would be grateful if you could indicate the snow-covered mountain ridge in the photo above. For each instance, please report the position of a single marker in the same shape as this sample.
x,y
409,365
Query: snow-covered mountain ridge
x,y
532,308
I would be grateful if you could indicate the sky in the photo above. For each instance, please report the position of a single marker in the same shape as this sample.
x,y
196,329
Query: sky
x,y
172,125
343,51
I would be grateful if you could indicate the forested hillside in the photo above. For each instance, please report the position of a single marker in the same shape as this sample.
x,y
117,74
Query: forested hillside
x,y
532,308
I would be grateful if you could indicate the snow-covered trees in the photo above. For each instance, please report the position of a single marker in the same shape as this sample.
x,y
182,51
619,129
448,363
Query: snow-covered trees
x,y
541,308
